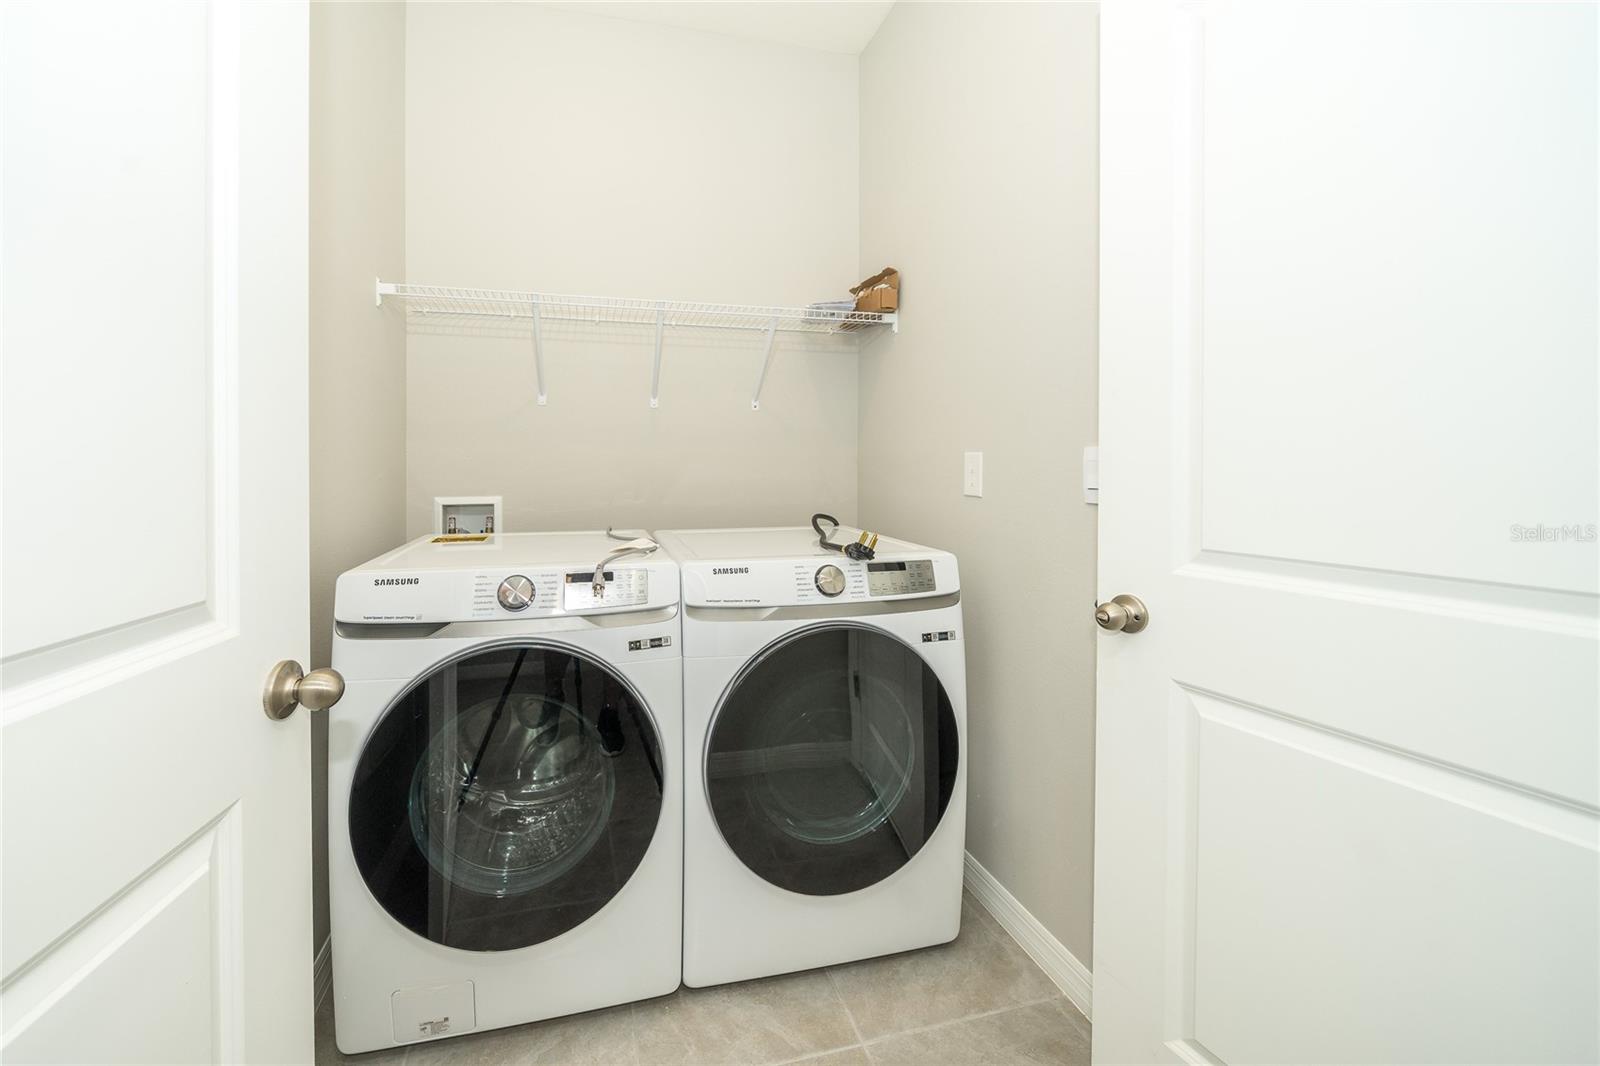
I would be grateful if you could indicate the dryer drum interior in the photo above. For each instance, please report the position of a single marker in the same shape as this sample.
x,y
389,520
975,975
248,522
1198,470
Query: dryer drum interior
x,y
506,797
831,759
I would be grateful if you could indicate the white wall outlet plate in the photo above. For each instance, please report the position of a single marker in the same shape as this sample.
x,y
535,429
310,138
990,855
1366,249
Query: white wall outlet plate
x,y
1091,474
972,474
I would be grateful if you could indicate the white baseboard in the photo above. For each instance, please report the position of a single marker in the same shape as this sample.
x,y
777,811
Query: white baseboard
x,y
321,974
1059,964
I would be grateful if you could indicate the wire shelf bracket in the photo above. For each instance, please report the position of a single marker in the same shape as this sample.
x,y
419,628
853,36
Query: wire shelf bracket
x,y
655,367
766,361
445,302
538,347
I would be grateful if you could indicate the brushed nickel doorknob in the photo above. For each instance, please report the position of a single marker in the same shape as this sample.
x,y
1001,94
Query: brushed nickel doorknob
x,y
1122,614
289,687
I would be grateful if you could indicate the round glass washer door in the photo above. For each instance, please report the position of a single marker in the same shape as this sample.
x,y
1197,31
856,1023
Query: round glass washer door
x,y
831,759
506,796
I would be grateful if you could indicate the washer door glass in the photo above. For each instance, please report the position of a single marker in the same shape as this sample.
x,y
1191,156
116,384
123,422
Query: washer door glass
x,y
831,759
505,797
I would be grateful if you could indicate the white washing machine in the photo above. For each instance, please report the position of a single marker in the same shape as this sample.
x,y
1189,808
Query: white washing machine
x,y
504,785
825,733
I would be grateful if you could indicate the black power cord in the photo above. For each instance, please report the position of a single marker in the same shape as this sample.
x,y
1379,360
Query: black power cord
x,y
860,550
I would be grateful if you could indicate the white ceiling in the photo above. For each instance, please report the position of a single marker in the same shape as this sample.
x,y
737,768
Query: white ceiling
x,y
828,25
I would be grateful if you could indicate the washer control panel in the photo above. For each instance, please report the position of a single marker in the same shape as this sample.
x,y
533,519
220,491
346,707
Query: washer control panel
x,y
490,594
900,578
829,580
623,588
496,596
515,593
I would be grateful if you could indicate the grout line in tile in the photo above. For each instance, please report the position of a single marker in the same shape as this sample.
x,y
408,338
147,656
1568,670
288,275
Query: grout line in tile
x,y
997,935
963,1018
633,1029
825,1051
849,1014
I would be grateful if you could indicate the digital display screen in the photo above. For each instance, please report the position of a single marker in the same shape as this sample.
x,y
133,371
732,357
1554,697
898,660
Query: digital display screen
x,y
908,577
585,579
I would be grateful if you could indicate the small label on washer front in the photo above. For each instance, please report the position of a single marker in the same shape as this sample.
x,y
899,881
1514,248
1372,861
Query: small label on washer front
x,y
650,642
943,634
439,1010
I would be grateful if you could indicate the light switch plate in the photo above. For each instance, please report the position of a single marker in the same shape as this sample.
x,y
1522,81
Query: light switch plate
x,y
1091,474
972,474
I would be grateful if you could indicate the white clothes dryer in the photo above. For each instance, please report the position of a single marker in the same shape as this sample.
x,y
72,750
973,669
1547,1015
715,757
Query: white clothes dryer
x,y
825,732
504,785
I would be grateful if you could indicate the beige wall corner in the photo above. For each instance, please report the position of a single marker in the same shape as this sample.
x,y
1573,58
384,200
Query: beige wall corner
x,y
358,397
979,175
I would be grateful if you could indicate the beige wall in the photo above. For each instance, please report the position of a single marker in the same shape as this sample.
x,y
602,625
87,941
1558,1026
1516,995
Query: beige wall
x,y
357,352
978,180
569,153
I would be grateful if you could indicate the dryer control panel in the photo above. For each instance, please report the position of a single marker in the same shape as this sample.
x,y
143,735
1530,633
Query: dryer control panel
x,y
900,577
815,580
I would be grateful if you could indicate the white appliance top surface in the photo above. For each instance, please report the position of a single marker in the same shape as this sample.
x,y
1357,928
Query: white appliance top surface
x,y
789,542
509,551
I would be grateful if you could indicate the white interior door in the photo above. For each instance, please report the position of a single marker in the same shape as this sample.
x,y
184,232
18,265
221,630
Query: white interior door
x,y
1346,801
156,855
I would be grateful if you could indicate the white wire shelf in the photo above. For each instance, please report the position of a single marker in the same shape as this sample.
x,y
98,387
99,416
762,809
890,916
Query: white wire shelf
x,y
444,301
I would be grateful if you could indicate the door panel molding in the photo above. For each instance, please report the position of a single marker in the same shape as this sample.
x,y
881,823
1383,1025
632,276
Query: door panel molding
x,y
1571,613
72,662
1309,855
1553,816
1462,543
199,885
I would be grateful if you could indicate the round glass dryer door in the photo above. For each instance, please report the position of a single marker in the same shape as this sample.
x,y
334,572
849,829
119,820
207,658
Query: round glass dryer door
x,y
831,759
505,797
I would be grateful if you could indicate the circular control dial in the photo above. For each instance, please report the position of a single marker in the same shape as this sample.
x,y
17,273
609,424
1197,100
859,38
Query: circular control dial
x,y
830,580
516,593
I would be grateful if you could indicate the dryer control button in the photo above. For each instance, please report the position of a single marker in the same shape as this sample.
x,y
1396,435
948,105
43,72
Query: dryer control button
x,y
516,593
830,580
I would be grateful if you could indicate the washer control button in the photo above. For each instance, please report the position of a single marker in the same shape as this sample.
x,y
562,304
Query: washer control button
x,y
516,593
830,580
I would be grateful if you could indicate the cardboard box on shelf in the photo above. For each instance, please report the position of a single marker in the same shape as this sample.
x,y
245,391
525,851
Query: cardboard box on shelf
x,y
881,292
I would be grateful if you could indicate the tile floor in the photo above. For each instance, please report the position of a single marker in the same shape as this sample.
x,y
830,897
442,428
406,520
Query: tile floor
x,y
977,1000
